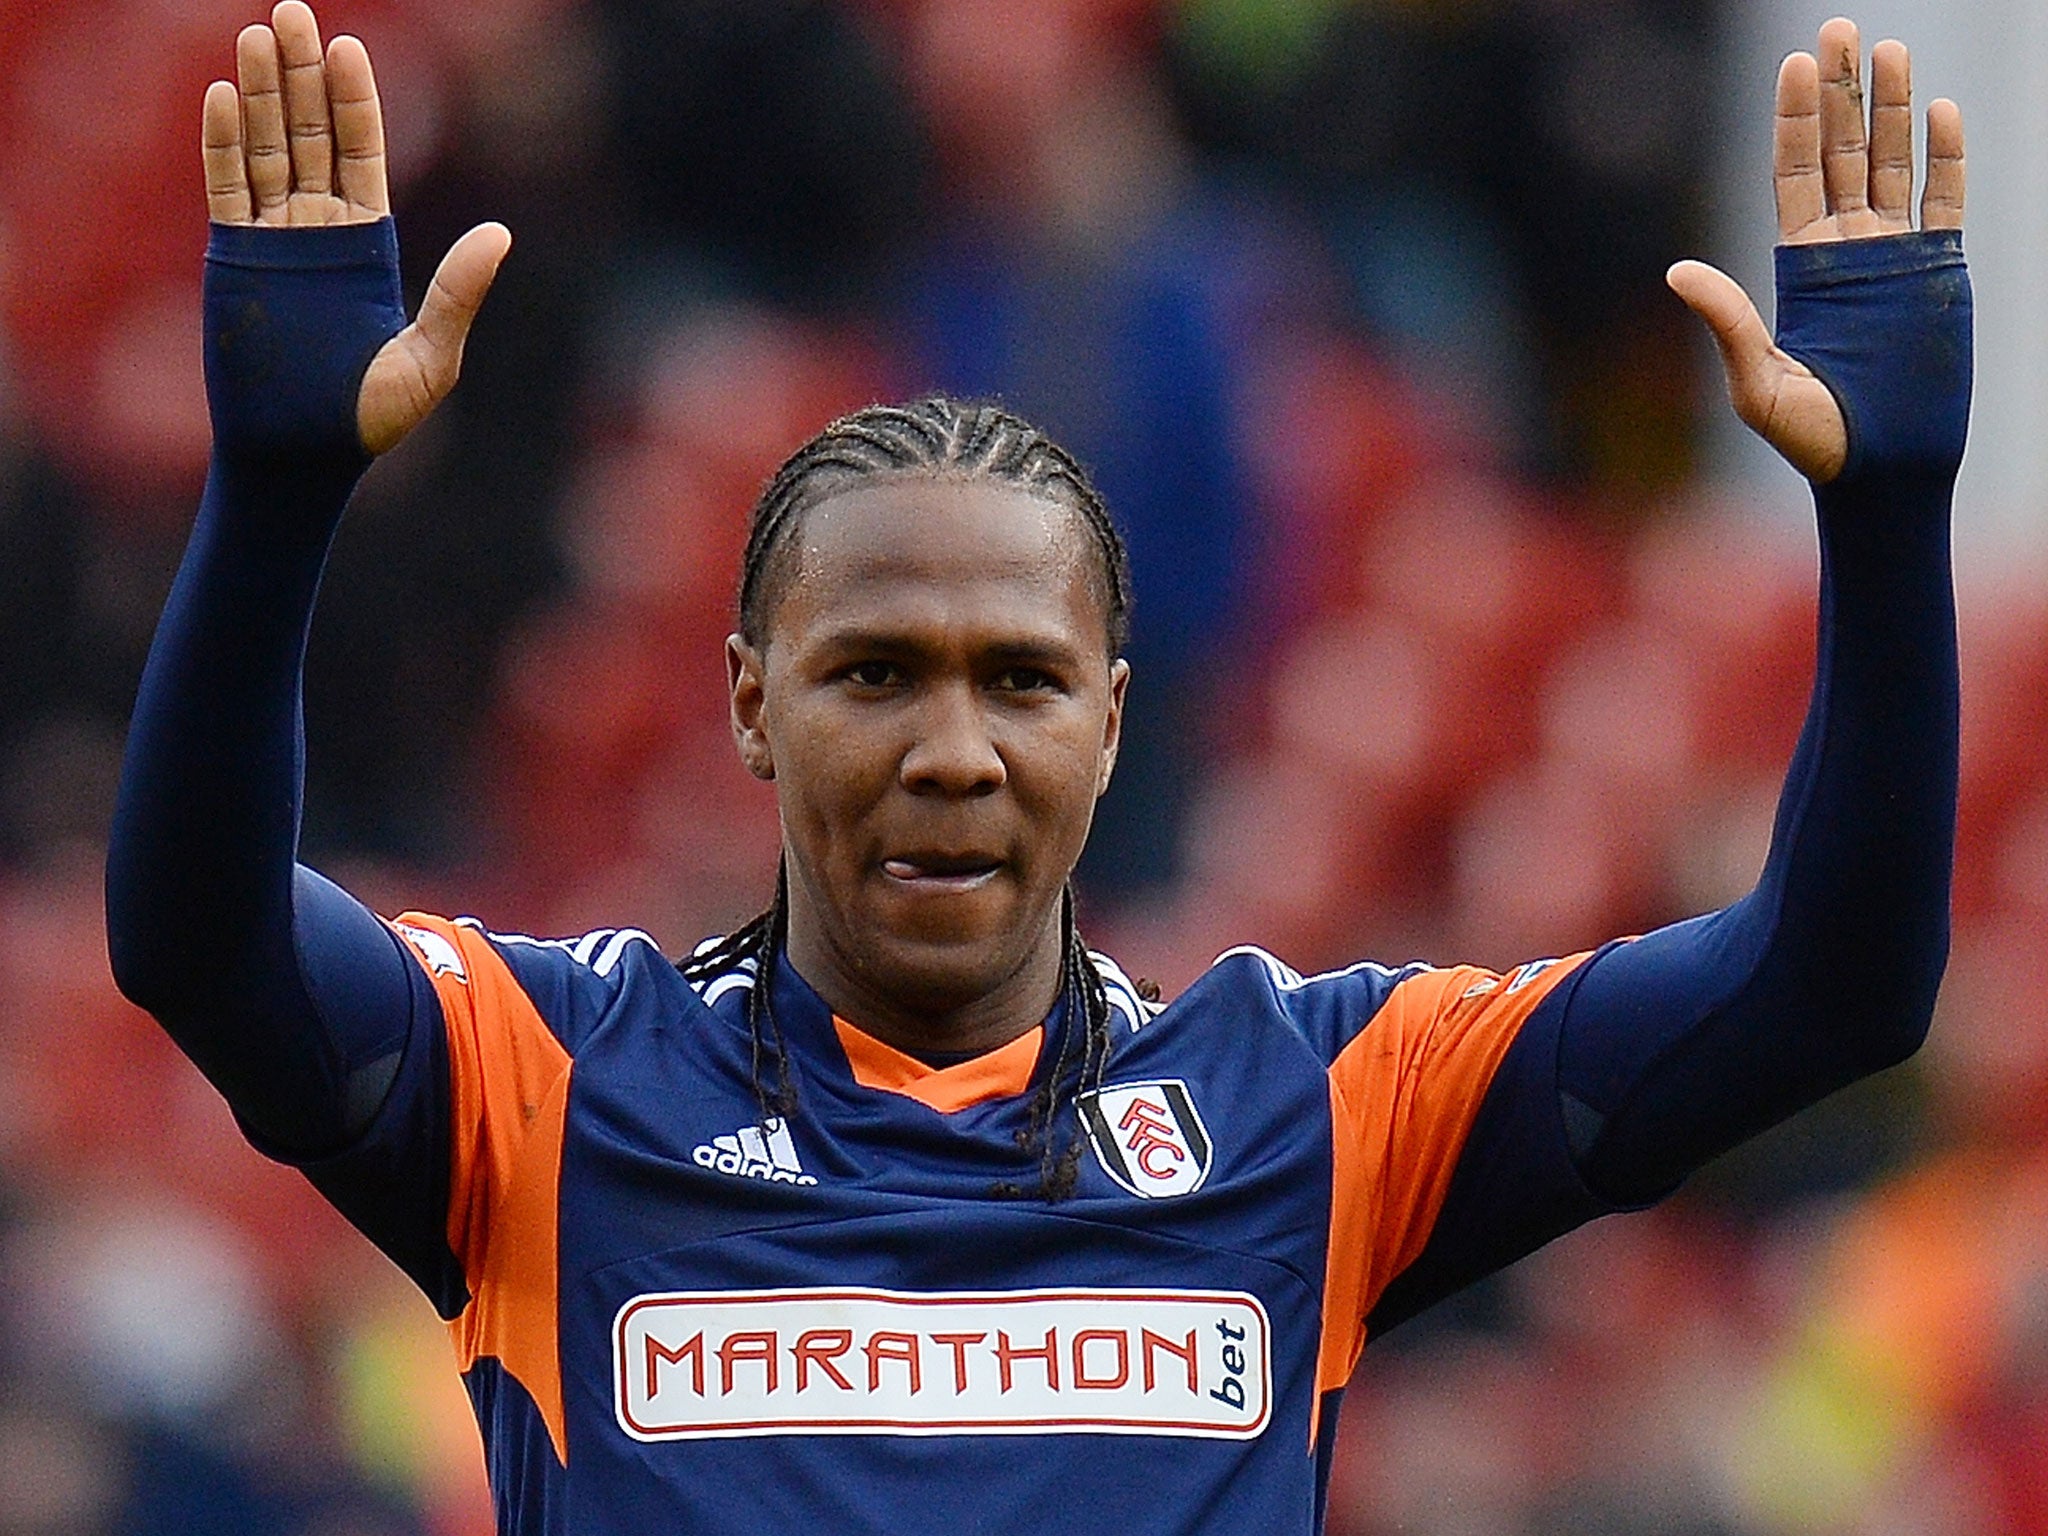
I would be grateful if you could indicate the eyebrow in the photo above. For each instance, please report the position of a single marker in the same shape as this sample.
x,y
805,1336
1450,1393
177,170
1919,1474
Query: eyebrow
x,y
895,642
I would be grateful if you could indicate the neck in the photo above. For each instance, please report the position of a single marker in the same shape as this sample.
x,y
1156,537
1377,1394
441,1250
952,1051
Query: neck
x,y
928,998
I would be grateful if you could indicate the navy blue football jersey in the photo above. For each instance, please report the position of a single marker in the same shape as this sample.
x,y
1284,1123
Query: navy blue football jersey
x,y
680,1312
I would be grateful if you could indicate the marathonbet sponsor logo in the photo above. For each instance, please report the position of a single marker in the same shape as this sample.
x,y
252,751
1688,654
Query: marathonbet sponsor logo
x,y
857,1361
1148,1137
763,1151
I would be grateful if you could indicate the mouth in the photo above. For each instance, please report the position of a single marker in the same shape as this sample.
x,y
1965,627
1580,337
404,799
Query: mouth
x,y
942,872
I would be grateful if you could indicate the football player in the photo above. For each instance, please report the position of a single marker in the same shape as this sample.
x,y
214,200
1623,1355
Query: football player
x,y
899,1209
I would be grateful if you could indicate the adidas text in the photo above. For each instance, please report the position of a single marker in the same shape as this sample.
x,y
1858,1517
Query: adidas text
x,y
762,1151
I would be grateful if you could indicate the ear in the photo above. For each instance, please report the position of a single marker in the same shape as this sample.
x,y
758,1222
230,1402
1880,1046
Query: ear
x,y
1113,726
749,733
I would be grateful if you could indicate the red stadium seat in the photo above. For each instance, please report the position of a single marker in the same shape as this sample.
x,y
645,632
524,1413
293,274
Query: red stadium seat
x,y
1736,597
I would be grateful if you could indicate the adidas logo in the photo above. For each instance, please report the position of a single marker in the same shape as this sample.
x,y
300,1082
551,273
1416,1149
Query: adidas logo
x,y
761,1151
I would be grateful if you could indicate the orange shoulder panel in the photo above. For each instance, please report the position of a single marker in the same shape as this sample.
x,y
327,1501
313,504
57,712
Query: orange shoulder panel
x,y
1403,1096
509,1084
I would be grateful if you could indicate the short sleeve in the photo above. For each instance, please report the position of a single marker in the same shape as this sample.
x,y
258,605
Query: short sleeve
x,y
1404,1093
508,1085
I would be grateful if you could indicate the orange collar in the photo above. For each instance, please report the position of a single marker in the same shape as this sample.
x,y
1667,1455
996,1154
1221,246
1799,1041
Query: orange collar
x,y
1001,1073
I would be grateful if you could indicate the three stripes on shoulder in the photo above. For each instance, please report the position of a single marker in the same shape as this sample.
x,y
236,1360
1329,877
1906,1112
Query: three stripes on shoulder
x,y
601,949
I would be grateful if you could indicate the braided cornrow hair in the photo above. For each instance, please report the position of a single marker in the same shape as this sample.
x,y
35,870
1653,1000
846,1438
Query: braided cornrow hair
x,y
1083,1058
935,436
758,940
938,437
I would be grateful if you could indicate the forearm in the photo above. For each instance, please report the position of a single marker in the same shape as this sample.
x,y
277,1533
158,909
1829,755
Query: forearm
x,y
287,994
1686,1042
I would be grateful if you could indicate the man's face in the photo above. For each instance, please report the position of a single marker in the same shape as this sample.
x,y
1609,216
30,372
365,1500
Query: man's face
x,y
934,700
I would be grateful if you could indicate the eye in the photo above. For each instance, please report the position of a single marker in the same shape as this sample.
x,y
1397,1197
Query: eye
x,y
874,674
1027,680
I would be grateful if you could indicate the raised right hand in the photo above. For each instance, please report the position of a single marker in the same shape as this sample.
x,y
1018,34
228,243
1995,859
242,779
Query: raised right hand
x,y
300,140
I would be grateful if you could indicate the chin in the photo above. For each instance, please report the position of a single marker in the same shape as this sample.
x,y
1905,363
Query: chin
x,y
987,931
935,968
946,974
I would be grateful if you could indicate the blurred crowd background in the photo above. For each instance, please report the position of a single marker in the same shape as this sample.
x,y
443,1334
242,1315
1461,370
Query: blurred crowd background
x,y
1462,634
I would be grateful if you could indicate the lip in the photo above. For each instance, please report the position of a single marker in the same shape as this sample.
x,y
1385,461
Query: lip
x,y
928,870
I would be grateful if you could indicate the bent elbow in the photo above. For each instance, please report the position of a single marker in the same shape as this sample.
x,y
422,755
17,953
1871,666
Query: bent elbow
x,y
1899,1020
1898,1041
145,951
139,963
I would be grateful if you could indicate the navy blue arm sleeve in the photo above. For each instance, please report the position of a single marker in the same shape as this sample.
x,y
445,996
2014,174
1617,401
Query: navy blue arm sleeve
x,y
292,998
1679,1046
1666,1051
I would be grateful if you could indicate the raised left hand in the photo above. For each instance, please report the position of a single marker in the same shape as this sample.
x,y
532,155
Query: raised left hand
x,y
1835,180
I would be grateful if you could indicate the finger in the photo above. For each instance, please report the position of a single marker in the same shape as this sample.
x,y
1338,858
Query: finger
x,y
220,141
419,366
1747,353
263,143
1844,151
460,283
358,126
1891,134
1776,396
1796,177
310,136
1941,205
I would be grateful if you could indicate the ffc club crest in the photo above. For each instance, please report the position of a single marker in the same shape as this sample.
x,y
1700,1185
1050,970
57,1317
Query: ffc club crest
x,y
1148,1137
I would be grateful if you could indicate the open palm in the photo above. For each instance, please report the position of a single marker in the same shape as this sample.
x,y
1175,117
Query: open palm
x,y
298,139
1834,181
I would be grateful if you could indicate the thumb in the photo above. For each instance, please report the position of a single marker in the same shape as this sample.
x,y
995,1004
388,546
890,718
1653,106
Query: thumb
x,y
457,291
1776,395
418,367
1747,354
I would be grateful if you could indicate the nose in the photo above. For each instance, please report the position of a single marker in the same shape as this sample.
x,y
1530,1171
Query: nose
x,y
953,753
